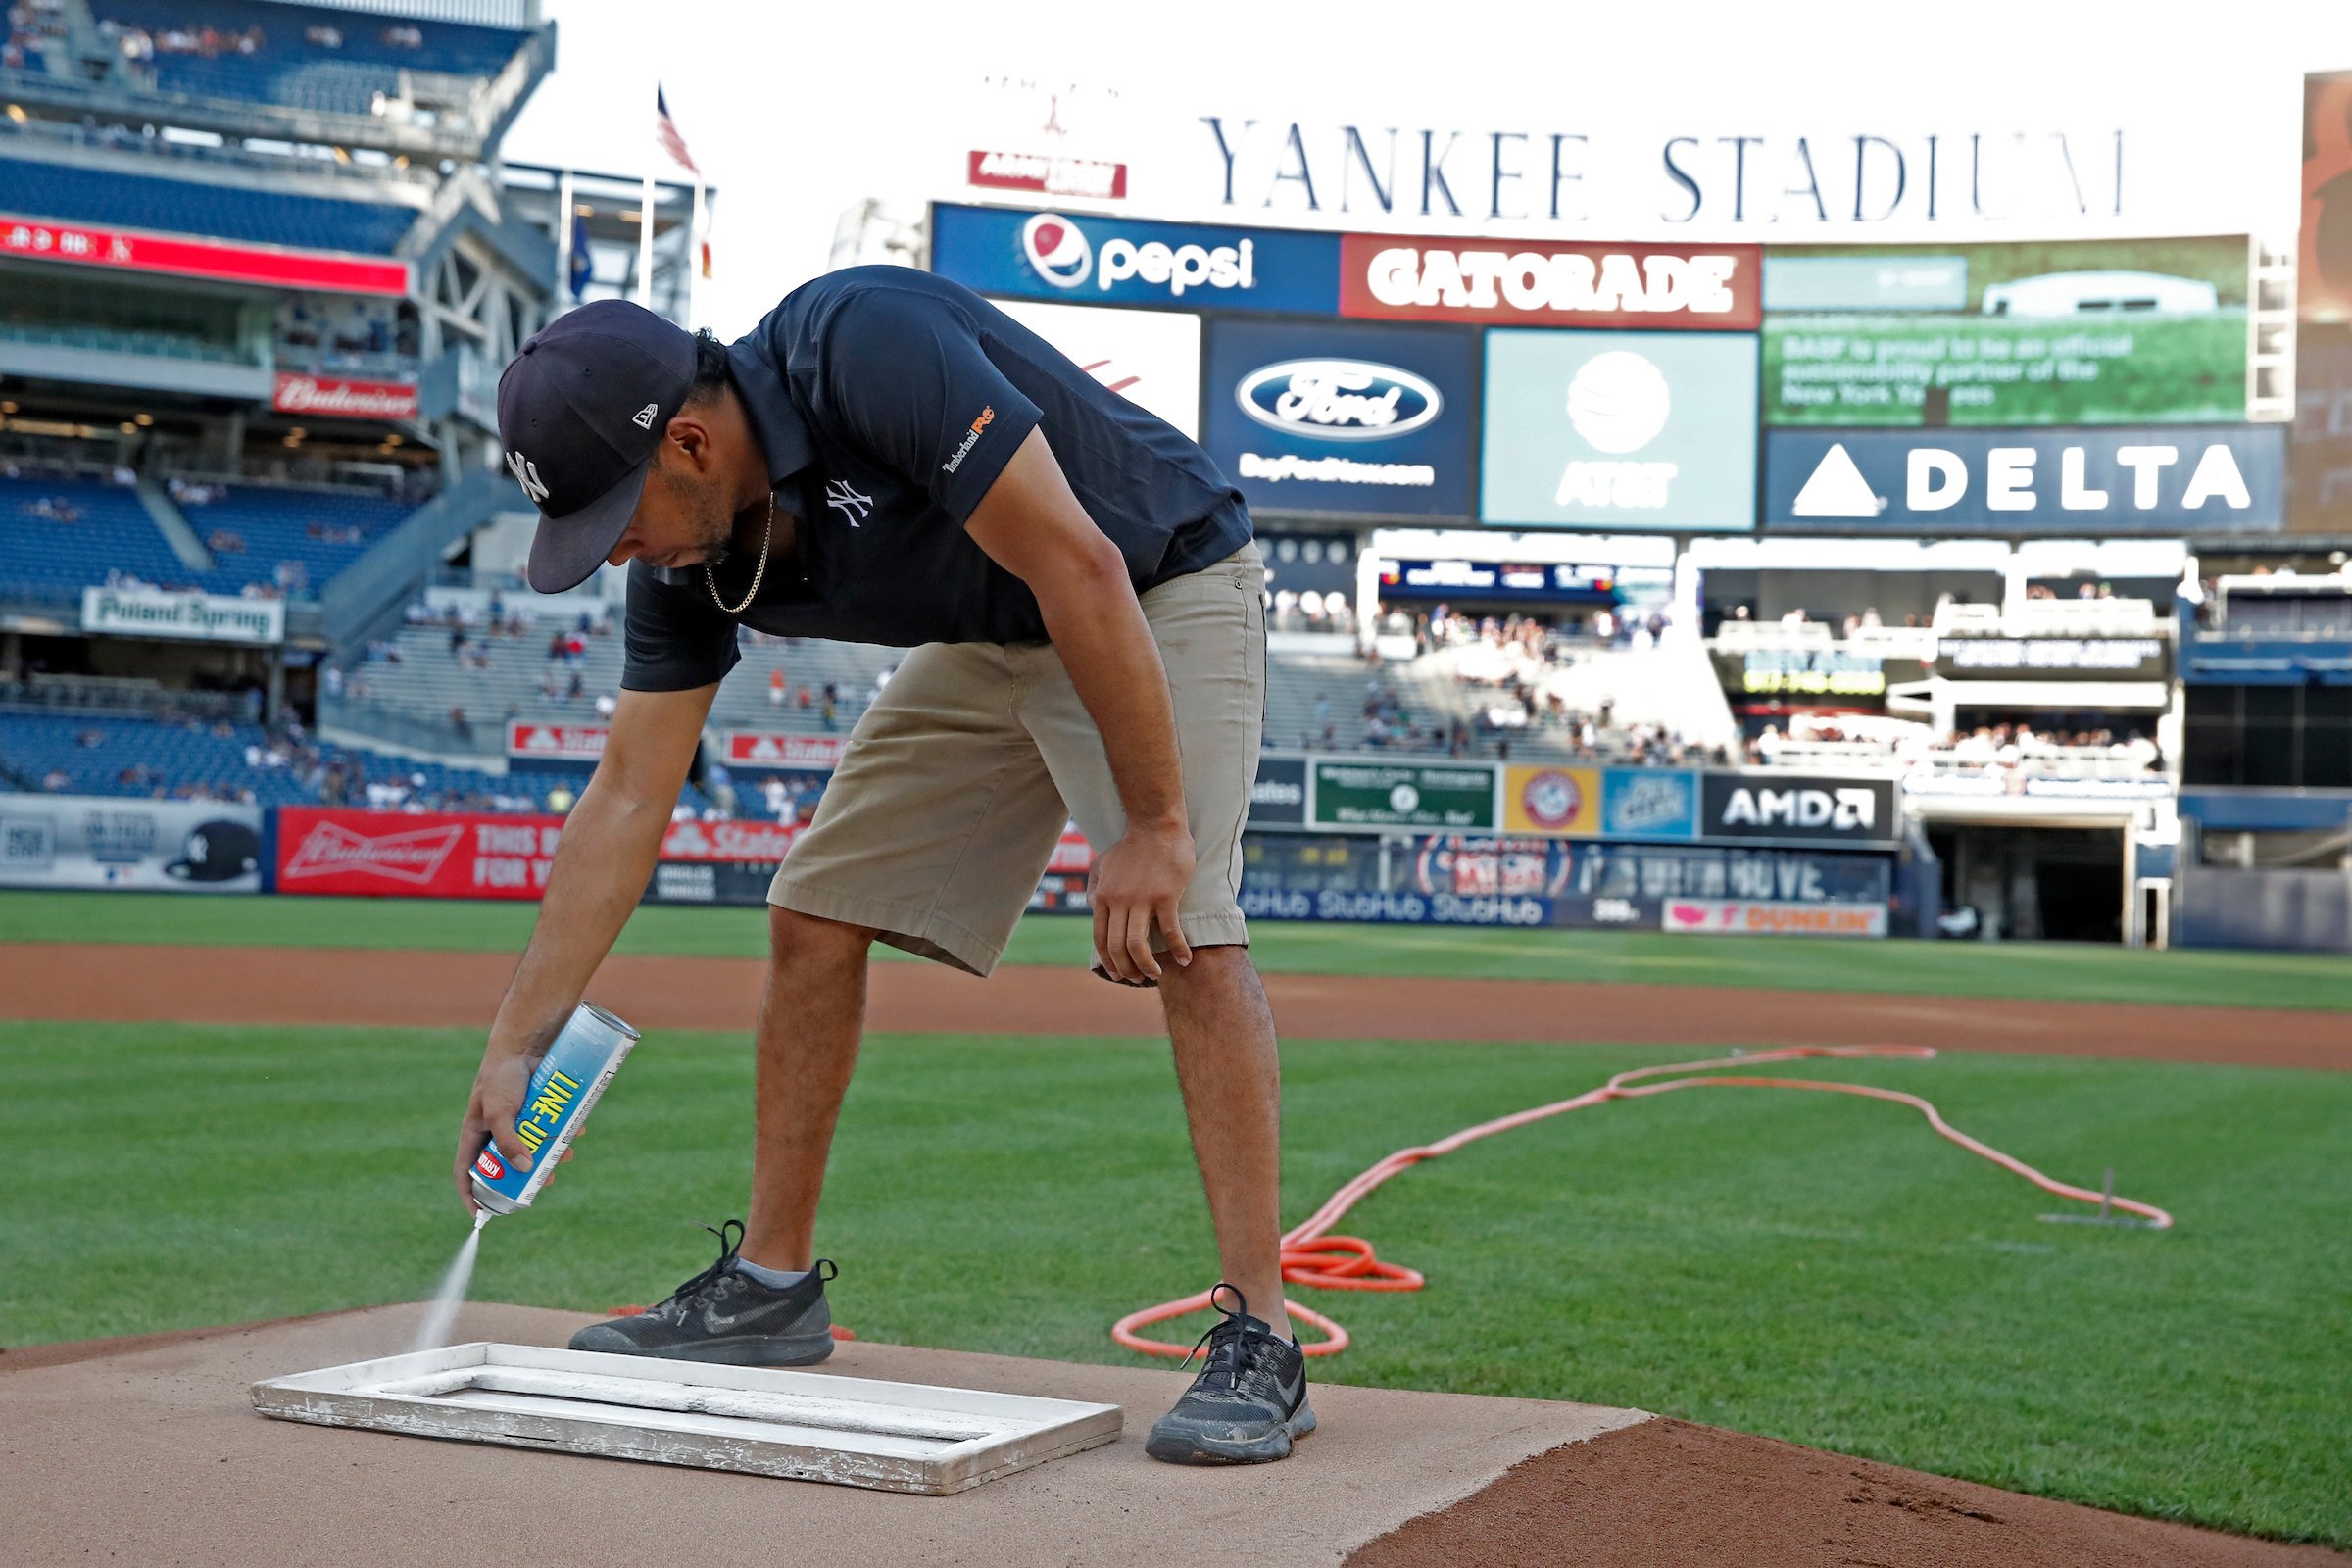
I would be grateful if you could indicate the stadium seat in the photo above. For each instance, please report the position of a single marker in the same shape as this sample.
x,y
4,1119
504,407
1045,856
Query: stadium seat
x,y
109,531
61,192
321,530
290,59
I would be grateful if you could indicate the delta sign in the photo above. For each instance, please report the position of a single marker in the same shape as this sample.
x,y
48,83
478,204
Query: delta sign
x,y
2204,479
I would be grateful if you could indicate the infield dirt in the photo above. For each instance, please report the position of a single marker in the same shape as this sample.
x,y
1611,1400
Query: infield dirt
x,y
125,983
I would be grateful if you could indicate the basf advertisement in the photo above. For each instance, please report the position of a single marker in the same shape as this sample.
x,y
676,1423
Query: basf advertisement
x,y
1620,430
1344,416
2145,331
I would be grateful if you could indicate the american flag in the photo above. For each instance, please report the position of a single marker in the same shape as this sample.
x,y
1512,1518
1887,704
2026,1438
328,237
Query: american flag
x,y
665,131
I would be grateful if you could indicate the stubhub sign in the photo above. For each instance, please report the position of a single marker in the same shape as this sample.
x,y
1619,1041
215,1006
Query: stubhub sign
x,y
1118,260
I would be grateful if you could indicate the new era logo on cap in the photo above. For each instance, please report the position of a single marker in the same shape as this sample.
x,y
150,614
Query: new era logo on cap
x,y
580,411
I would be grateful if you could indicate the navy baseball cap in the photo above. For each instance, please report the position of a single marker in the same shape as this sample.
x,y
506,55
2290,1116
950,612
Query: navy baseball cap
x,y
582,410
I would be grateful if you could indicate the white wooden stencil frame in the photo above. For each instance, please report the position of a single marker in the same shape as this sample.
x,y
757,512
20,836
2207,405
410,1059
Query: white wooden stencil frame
x,y
897,1437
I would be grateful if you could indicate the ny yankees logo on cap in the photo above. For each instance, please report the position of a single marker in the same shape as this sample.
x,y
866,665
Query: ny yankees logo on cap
x,y
527,474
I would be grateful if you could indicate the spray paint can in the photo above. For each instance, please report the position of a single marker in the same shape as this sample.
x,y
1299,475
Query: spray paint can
x,y
563,1088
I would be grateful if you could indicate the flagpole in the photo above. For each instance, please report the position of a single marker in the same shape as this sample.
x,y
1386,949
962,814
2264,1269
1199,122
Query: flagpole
x,y
645,245
694,254
565,219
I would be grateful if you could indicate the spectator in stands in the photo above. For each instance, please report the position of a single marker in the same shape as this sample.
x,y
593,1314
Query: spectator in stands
x,y
460,725
776,687
577,689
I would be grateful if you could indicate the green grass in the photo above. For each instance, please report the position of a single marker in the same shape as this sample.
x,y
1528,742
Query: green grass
x,y
1811,1267
2039,971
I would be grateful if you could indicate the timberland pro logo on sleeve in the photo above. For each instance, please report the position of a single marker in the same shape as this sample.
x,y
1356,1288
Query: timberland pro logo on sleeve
x,y
971,438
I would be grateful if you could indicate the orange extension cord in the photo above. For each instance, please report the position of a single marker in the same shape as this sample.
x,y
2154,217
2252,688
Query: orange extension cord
x,y
1312,1256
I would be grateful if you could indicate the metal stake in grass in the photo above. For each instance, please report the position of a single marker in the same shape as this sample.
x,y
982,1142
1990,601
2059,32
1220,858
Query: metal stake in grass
x,y
2106,1214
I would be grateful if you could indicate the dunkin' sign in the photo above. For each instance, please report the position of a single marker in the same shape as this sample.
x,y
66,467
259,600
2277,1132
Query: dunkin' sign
x,y
343,398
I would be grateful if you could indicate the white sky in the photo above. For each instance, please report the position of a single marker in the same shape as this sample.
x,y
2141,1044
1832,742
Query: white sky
x,y
795,111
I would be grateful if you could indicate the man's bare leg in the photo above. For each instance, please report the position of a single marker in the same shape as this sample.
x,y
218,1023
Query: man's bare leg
x,y
1230,1073
810,1024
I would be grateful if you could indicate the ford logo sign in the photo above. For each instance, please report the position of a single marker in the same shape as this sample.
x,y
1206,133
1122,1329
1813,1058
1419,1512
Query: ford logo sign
x,y
1338,400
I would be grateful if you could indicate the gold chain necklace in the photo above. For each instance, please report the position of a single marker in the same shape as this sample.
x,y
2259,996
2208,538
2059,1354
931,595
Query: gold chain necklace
x,y
759,572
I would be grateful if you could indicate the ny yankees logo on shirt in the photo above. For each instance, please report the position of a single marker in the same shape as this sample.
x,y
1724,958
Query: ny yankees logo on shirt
x,y
851,503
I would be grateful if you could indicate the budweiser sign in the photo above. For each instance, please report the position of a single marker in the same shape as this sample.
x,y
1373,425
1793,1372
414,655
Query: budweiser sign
x,y
410,859
762,749
343,398
575,741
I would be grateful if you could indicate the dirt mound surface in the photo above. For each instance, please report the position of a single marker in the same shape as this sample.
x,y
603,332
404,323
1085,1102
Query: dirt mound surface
x,y
1668,1493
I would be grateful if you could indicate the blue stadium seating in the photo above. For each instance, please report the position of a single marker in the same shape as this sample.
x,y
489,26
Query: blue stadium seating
x,y
94,753
289,67
54,559
65,193
276,525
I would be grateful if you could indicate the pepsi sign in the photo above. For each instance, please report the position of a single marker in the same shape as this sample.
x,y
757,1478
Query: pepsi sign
x,y
1341,417
1339,400
1118,260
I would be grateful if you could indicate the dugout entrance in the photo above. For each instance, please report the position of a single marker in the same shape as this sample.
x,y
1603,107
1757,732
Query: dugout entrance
x,y
2036,871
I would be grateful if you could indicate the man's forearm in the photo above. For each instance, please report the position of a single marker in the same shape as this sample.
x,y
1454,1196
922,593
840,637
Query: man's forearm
x,y
610,845
1107,646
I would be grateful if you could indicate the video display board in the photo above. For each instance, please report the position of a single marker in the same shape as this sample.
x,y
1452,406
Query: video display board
x,y
1619,430
1150,358
1344,416
2138,331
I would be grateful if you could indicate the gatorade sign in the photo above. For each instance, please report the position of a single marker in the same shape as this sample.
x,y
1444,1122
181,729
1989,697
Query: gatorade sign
x,y
1535,283
2228,478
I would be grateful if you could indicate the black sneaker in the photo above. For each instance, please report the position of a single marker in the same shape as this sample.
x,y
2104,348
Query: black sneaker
x,y
1248,1401
724,1315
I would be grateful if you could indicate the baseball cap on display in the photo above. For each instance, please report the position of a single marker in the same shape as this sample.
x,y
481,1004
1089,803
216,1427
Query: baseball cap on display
x,y
582,410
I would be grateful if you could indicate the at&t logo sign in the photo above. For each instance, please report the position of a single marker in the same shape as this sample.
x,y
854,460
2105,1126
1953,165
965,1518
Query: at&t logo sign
x,y
1618,403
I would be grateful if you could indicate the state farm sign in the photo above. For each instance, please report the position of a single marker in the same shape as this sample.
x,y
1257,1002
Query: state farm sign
x,y
341,398
766,749
1401,277
579,743
729,843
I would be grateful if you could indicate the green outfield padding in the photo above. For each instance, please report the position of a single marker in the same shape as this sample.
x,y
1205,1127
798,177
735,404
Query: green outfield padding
x,y
2038,970
1818,1269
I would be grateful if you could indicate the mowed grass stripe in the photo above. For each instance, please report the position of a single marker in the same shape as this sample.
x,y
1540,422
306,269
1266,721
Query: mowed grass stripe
x,y
1814,1267
2031,971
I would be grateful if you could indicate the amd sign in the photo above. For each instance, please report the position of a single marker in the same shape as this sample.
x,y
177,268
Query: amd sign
x,y
1798,807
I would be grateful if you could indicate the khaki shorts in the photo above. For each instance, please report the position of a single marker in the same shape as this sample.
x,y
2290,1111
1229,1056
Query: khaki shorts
x,y
957,783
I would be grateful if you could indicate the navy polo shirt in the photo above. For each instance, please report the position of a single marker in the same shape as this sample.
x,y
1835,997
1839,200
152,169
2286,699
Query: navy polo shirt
x,y
887,402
